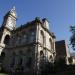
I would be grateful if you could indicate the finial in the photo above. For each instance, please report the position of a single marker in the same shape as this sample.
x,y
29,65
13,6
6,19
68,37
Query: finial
x,y
13,8
13,12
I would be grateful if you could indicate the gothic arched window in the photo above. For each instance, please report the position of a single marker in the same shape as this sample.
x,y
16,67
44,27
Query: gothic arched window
x,y
41,53
6,40
51,44
42,37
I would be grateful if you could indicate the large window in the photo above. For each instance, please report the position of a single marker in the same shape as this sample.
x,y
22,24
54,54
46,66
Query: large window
x,y
51,44
6,40
23,38
32,36
42,37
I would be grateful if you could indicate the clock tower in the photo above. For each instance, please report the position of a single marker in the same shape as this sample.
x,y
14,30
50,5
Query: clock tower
x,y
8,25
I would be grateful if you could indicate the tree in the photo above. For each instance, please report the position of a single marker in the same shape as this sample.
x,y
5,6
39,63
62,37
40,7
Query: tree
x,y
72,38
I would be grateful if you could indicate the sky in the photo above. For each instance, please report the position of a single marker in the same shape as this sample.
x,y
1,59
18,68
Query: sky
x,y
60,14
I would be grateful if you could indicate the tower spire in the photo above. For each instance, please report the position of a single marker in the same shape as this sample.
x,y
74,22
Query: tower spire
x,y
13,9
13,12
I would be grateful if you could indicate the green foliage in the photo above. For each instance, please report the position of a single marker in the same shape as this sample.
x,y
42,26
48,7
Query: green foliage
x,y
72,38
3,74
72,29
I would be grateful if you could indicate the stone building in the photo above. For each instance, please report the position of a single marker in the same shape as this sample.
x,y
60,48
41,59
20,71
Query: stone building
x,y
72,58
62,51
25,46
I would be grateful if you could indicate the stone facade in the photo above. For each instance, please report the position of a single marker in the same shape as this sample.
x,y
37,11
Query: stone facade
x,y
23,47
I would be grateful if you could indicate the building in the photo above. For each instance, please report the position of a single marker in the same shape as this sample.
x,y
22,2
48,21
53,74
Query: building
x,y
62,51
24,47
72,58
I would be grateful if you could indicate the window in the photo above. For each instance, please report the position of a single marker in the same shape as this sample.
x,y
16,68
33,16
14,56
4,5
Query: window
x,y
32,36
24,38
6,40
50,58
13,41
28,38
29,62
42,37
41,53
51,44
18,40
2,56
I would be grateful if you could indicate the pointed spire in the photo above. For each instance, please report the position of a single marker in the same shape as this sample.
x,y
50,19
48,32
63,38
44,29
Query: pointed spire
x,y
13,12
13,9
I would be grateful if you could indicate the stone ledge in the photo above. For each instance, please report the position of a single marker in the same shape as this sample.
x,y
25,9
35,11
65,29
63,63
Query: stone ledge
x,y
2,45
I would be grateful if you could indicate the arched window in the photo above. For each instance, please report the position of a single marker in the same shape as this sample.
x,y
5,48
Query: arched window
x,y
50,58
41,57
2,56
6,40
51,44
42,37
41,53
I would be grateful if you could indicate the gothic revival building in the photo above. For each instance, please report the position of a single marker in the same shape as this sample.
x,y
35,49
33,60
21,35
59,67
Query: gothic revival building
x,y
26,46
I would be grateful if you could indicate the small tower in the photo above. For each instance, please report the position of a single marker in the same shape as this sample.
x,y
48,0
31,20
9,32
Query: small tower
x,y
46,24
9,24
10,19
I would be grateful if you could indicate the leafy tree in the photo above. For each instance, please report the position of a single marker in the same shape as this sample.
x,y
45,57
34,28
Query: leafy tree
x,y
72,38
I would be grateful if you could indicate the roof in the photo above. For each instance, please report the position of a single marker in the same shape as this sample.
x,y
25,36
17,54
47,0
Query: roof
x,y
34,22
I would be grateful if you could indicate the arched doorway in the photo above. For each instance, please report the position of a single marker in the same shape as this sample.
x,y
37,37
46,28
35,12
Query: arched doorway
x,y
6,40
